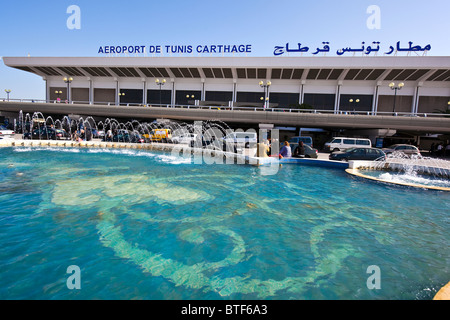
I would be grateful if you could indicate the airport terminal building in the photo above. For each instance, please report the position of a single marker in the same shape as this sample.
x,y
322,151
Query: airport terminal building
x,y
334,83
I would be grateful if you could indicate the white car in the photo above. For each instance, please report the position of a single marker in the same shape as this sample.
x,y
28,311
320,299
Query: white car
x,y
5,133
242,139
342,143
185,139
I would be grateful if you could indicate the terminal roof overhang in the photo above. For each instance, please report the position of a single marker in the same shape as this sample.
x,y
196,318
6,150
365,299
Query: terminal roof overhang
x,y
408,68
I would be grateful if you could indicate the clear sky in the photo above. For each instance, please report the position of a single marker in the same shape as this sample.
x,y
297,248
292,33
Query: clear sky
x,y
39,28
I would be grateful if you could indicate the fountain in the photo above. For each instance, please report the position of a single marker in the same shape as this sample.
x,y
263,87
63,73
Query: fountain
x,y
80,130
397,168
210,232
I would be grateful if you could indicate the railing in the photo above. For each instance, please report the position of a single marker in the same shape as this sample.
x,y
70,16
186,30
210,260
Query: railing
x,y
235,108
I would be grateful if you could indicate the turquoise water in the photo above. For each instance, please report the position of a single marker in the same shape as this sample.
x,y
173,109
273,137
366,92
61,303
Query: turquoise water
x,y
146,225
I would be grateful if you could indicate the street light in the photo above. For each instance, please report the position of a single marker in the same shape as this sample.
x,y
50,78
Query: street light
x,y
68,81
58,93
353,103
160,84
264,100
190,96
8,91
395,88
121,94
266,91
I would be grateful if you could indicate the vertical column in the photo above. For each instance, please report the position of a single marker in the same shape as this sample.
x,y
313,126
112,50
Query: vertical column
x,y
302,96
116,99
416,97
337,102
173,96
91,91
375,99
47,90
69,92
203,94
144,91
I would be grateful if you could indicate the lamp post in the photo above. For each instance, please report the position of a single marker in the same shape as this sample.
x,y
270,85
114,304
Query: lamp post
x,y
265,86
264,100
121,94
68,81
160,84
353,103
8,91
395,87
58,94
190,96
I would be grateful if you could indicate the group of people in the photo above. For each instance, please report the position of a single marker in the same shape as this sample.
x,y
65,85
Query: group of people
x,y
285,151
440,150
81,134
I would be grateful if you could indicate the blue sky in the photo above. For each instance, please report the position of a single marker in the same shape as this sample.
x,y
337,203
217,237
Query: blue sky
x,y
39,28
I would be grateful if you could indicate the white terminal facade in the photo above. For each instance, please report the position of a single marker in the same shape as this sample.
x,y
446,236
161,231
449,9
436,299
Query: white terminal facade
x,y
323,83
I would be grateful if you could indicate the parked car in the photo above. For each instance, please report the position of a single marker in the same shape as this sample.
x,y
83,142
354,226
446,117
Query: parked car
x,y
6,133
342,143
310,152
62,134
406,149
125,136
185,139
241,139
46,133
98,134
358,154
159,135
293,142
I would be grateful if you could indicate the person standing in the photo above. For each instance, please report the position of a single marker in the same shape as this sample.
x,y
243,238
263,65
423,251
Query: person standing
x,y
439,149
432,149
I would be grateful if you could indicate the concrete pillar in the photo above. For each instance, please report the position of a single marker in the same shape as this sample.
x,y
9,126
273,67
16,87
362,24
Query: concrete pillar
x,y
203,94
302,92
375,100
416,97
337,101
144,91
116,98
47,90
91,91
173,95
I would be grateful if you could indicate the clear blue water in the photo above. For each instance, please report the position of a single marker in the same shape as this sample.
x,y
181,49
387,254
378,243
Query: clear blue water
x,y
153,226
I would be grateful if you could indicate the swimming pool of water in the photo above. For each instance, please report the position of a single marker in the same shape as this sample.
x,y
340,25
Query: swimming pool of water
x,y
143,225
